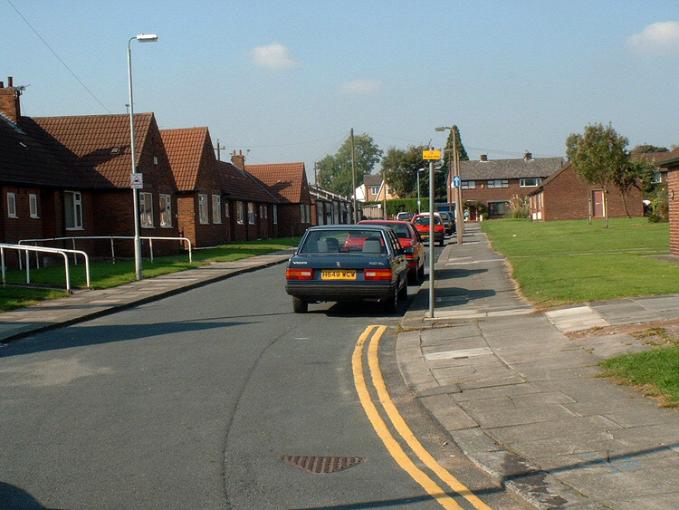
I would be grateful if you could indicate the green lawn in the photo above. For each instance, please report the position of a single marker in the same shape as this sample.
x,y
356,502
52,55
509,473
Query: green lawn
x,y
104,274
654,371
562,262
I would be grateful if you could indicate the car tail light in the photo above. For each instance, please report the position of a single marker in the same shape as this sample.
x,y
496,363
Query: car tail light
x,y
377,274
293,273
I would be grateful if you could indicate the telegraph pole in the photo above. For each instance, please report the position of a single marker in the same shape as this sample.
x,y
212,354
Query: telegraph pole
x,y
316,173
218,149
459,213
353,174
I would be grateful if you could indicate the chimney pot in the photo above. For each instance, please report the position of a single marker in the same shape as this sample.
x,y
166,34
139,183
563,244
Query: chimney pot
x,y
10,81
2,85
527,156
484,157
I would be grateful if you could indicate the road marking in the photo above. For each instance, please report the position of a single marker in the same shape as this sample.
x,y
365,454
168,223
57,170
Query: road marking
x,y
406,433
392,446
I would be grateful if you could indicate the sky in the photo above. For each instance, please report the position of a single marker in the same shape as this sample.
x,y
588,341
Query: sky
x,y
285,81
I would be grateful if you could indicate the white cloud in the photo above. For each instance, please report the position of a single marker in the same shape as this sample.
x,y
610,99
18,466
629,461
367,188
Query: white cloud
x,y
273,56
661,36
361,87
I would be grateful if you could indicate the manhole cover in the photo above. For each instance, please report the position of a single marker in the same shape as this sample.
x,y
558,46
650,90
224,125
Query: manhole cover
x,y
322,465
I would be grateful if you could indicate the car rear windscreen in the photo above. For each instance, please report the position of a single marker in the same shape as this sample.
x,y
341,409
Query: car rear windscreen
x,y
401,231
424,220
358,242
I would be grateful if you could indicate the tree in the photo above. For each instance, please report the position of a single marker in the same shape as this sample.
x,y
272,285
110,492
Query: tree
x,y
633,174
400,171
645,147
334,171
447,154
598,155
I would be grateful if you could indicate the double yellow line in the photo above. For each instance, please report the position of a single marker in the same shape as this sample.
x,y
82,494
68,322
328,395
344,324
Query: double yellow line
x,y
393,447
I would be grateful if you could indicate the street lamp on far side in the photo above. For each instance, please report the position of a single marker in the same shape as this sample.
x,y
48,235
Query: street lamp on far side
x,y
454,170
135,192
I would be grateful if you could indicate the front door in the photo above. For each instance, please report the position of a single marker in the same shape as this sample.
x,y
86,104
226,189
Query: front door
x,y
598,203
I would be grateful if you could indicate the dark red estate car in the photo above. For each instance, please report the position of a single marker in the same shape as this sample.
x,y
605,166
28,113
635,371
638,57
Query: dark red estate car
x,y
421,224
411,243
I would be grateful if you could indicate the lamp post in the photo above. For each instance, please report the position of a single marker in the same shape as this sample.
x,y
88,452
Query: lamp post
x,y
419,209
135,193
454,169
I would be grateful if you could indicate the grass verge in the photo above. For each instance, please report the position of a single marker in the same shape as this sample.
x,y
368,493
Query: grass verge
x,y
104,274
562,262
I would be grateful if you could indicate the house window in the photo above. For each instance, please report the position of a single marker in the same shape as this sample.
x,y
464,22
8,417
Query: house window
x,y
202,209
532,182
240,213
216,209
498,183
11,205
374,190
275,214
468,185
496,209
252,216
146,210
165,204
73,210
657,179
155,160
308,213
33,205
302,211
227,214
263,212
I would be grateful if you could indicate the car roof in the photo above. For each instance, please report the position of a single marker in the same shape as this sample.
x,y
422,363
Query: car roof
x,y
361,226
377,222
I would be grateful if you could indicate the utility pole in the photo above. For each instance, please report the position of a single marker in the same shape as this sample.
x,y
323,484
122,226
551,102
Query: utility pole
x,y
384,196
459,213
353,174
218,149
431,240
449,184
316,173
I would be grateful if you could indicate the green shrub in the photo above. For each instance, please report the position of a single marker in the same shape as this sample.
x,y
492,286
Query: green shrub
x,y
519,207
660,207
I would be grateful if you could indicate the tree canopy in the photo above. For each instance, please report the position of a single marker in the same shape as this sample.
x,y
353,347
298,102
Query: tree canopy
x,y
645,147
334,171
400,170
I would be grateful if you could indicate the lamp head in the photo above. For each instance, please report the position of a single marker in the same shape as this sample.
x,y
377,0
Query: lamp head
x,y
442,128
147,38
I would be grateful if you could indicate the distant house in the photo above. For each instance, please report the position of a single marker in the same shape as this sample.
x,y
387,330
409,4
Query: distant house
x,y
672,166
493,183
200,205
328,208
566,196
373,189
288,183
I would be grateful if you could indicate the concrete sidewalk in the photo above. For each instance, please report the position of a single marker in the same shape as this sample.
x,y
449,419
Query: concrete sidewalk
x,y
87,304
523,400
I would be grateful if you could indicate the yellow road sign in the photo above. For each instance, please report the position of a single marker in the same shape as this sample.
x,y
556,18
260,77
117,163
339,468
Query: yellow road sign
x,y
431,155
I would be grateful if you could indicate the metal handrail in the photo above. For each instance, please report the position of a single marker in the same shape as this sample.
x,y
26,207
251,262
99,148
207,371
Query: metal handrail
x,y
73,239
43,249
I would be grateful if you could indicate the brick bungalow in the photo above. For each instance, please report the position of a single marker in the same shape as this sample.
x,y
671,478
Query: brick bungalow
x,y
252,209
672,166
493,183
288,183
200,210
566,196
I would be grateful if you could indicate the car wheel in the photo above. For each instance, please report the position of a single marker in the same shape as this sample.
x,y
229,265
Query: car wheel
x,y
391,303
420,273
403,293
441,242
413,276
299,305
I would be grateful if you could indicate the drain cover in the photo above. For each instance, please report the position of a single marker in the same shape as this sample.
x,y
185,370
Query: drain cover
x,y
322,465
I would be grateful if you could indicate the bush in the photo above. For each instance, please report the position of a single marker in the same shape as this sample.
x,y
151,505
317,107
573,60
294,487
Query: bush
x,y
519,207
660,206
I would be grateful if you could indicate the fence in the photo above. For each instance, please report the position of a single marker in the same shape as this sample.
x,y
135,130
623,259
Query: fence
x,y
43,249
73,240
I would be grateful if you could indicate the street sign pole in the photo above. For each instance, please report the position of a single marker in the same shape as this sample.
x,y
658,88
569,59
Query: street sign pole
x,y
431,239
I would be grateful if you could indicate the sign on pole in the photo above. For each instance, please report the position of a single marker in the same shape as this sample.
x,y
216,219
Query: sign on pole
x,y
456,181
431,155
137,181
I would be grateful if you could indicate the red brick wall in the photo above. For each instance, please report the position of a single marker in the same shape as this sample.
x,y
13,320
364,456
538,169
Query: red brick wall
x,y
289,221
187,217
9,103
673,197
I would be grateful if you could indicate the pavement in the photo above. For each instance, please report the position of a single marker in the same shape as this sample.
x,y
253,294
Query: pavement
x,y
88,304
520,392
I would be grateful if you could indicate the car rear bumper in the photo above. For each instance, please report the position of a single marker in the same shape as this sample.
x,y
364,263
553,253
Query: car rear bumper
x,y
340,292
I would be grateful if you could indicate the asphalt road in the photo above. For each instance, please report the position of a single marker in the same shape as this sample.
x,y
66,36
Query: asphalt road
x,y
192,401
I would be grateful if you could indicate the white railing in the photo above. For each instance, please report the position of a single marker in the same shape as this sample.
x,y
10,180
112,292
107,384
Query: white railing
x,y
73,239
43,249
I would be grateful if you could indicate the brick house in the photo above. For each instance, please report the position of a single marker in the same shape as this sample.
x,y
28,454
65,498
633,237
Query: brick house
x,y
493,183
287,182
671,165
200,209
251,207
567,196
373,189
98,147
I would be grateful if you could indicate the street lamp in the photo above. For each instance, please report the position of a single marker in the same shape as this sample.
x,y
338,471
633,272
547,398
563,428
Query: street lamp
x,y
454,169
135,194
418,188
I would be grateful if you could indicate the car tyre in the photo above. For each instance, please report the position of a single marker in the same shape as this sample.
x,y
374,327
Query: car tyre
x,y
420,273
441,242
403,292
414,276
391,303
299,305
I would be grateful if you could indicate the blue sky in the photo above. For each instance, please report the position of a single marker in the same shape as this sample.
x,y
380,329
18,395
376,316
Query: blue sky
x,y
286,80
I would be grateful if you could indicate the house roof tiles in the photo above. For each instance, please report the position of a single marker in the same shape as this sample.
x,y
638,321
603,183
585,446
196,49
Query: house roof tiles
x,y
184,149
286,181
509,168
240,185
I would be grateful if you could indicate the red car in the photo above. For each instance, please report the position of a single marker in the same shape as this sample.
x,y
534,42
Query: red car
x,y
410,242
421,224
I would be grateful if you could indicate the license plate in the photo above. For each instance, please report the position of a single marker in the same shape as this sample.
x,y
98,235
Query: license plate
x,y
338,274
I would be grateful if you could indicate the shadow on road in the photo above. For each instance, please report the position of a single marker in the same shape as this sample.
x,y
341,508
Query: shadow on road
x,y
13,498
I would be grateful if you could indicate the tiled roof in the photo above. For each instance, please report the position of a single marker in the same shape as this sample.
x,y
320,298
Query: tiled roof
x,y
372,180
240,185
284,180
509,168
657,158
23,160
184,149
97,145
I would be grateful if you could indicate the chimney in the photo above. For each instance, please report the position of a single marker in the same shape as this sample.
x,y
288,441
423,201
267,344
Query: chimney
x,y
10,105
238,160
483,157
527,156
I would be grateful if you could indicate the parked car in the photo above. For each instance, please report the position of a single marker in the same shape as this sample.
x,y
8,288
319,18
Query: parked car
x,y
404,216
411,243
421,224
448,221
347,263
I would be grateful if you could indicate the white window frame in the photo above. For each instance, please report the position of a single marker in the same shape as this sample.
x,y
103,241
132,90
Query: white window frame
x,y
301,213
522,182
227,213
146,209
166,211
11,205
252,214
33,205
77,204
216,209
498,183
468,185
203,215
308,213
275,214
657,178
374,190
240,212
